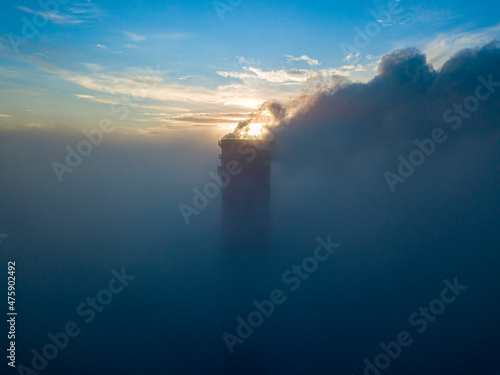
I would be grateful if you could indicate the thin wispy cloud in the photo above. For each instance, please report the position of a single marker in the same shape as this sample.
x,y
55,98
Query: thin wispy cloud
x,y
86,11
92,67
169,92
39,55
310,61
239,90
9,71
134,37
273,76
122,84
171,36
421,14
243,60
440,48
103,47
25,93
284,76
54,16
352,56
208,118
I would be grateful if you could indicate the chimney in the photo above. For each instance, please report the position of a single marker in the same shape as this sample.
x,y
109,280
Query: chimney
x,y
245,172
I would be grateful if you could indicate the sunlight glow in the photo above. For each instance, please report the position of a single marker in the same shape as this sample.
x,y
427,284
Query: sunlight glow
x,y
255,130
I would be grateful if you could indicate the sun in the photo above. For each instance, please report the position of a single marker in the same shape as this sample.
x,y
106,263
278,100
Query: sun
x,y
255,129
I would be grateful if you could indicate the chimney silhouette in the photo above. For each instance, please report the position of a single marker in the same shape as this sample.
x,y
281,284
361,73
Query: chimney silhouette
x,y
245,172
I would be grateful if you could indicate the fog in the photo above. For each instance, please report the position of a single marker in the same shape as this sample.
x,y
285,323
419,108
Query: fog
x,y
399,241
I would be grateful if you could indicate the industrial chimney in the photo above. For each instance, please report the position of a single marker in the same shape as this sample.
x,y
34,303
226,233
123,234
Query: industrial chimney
x,y
245,172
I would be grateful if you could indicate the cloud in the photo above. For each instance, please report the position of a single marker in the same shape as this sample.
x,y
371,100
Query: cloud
x,y
243,60
422,14
39,55
11,72
288,76
442,47
107,49
54,16
134,37
171,36
274,76
206,118
93,67
137,84
352,56
5,116
240,91
151,88
311,62
337,124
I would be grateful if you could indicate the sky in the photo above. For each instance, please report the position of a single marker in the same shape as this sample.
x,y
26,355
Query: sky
x,y
385,168
178,64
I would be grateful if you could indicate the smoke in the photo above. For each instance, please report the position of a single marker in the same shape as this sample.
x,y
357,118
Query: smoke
x,y
342,139
406,98
275,114
442,220
271,112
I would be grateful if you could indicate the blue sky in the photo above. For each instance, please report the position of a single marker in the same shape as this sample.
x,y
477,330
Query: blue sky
x,y
154,65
